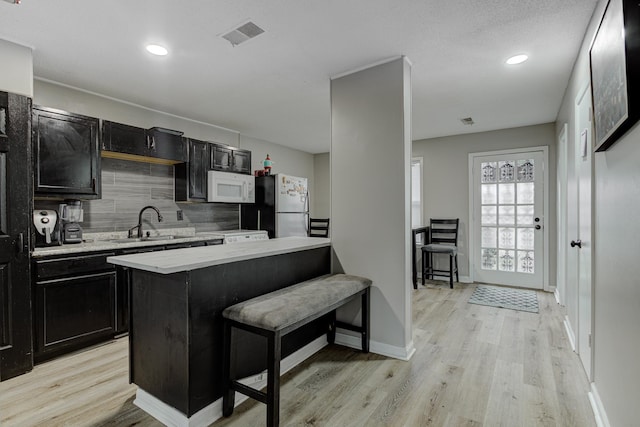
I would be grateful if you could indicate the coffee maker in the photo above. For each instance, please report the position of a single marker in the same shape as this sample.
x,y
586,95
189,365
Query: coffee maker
x,y
47,226
71,214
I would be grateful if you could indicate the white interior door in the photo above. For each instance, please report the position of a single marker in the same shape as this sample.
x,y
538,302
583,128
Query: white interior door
x,y
583,242
508,217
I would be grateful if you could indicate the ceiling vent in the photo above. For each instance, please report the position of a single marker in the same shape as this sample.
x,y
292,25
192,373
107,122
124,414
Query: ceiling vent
x,y
241,34
467,121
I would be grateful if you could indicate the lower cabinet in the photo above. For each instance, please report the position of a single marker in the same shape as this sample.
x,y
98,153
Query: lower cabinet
x,y
74,304
81,300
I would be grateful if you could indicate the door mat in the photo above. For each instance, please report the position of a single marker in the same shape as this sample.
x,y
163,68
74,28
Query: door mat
x,y
496,296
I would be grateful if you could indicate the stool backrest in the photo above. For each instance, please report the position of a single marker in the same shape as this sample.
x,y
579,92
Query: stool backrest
x,y
318,227
444,231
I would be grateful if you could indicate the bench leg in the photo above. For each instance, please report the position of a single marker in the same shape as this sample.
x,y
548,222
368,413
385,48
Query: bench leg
x,y
228,374
364,321
331,334
273,379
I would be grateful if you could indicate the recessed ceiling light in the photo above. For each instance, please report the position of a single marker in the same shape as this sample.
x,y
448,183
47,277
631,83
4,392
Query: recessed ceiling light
x,y
157,49
517,59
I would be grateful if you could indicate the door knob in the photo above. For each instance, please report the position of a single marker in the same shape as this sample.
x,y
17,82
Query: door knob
x,y
538,227
577,243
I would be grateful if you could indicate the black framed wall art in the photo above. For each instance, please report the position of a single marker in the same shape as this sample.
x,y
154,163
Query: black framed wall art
x,y
615,72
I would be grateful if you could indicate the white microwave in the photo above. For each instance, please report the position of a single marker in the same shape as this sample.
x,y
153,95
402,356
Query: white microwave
x,y
227,187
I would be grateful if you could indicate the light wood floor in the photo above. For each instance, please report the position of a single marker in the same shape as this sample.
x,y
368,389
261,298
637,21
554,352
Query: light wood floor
x,y
474,366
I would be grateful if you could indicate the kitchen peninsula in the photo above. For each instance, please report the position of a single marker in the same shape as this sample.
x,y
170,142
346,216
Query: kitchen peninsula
x,y
177,299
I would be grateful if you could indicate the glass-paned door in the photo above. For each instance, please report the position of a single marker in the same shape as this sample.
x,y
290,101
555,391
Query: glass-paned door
x,y
508,219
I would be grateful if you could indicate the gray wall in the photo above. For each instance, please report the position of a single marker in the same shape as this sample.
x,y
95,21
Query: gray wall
x,y
285,160
616,298
446,177
16,68
370,125
321,204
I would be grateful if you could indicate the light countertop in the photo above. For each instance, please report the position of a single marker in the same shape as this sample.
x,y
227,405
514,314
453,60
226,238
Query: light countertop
x,y
97,242
187,259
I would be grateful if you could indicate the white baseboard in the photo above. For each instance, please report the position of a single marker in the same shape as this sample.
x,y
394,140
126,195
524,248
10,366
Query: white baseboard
x,y
377,347
171,417
557,295
570,334
598,409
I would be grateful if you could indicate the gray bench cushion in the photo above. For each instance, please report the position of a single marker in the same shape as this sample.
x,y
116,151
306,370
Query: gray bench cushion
x,y
284,307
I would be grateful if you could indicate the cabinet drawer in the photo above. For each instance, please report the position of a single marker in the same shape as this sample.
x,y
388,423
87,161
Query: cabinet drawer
x,y
58,267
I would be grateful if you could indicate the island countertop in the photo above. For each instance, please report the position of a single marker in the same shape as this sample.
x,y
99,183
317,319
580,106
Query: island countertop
x,y
187,259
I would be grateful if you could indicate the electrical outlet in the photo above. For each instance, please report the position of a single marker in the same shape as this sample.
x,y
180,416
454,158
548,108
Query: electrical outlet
x,y
180,216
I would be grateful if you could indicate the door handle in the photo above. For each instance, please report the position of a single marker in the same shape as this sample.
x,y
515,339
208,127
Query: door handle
x,y
538,227
577,243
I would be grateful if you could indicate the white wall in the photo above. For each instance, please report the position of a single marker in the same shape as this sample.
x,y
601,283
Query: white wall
x,y
370,119
616,337
446,177
16,68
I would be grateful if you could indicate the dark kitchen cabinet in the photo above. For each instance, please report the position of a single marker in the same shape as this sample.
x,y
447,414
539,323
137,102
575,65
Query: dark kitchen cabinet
x,y
124,138
242,161
191,177
158,143
66,154
230,159
74,304
221,157
165,144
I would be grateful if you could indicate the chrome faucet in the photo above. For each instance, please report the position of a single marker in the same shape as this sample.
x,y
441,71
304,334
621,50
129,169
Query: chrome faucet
x,y
139,225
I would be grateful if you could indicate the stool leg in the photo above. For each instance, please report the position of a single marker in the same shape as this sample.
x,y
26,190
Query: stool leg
x,y
273,379
228,394
364,321
451,271
457,277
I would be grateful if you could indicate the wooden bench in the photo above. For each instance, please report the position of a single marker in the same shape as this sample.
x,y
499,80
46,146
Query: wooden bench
x,y
274,315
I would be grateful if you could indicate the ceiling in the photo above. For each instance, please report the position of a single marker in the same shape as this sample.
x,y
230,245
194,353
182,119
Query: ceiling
x,y
276,86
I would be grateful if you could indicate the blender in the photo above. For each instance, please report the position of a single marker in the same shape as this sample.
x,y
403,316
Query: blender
x,y
71,214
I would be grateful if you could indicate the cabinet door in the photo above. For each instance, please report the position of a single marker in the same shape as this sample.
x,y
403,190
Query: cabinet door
x,y
242,161
165,144
66,153
124,138
73,312
221,157
198,167
15,222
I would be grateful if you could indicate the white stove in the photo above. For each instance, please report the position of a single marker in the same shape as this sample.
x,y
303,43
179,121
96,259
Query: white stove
x,y
238,236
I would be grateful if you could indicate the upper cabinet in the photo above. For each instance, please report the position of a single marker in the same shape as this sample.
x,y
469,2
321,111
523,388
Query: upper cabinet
x,y
124,138
66,154
120,141
165,144
191,177
230,159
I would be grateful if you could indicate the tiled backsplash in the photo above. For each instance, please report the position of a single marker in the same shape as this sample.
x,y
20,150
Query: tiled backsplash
x,y
129,186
